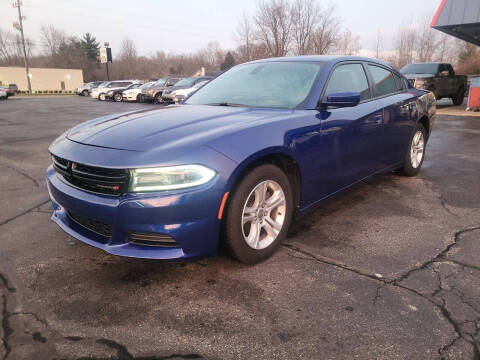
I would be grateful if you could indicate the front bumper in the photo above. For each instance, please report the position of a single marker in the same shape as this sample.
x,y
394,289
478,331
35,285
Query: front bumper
x,y
189,217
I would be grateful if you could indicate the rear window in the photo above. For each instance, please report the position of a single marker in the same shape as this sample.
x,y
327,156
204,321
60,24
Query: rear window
x,y
420,69
385,83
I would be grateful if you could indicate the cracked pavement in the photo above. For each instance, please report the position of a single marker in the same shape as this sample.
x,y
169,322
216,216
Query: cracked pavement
x,y
388,270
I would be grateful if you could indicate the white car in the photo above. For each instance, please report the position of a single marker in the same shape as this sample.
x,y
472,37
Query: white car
x,y
181,94
3,93
135,94
99,92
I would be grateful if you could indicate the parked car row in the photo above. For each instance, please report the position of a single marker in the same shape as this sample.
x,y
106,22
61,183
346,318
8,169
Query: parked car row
x,y
164,90
3,93
6,92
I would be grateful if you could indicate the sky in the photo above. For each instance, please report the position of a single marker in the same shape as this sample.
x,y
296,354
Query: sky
x,y
188,25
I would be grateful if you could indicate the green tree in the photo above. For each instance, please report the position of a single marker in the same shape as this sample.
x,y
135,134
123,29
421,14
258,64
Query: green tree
x,y
90,46
228,62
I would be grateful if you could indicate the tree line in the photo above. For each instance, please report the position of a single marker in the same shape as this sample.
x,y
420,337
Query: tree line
x,y
276,28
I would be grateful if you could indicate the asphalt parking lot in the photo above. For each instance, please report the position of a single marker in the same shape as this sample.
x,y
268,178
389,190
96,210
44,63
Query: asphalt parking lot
x,y
389,270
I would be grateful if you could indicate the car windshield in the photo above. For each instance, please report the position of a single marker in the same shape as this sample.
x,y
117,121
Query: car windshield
x,y
186,82
146,85
160,82
276,84
200,84
103,84
420,69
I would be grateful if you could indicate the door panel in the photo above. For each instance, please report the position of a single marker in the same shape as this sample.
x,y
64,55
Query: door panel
x,y
351,141
398,121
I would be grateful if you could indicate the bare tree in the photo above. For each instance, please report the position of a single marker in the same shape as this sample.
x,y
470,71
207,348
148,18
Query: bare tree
x,y
327,32
305,16
274,25
128,57
348,44
52,39
7,47
245,38
212,55
405,44
427,41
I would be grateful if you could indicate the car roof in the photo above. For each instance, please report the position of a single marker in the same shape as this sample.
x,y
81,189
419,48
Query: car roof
x,y
321,58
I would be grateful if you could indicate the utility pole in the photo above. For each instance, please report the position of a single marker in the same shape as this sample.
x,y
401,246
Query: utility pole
x,y
18,5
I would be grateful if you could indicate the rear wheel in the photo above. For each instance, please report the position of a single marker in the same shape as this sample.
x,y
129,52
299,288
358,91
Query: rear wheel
x,y
117,97
85,93
415,153
458,99
258,214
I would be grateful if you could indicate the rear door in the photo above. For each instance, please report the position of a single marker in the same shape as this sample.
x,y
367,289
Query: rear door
x,y
352,135
399,106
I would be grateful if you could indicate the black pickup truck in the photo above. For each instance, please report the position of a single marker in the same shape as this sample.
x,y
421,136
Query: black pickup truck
x,y
438,78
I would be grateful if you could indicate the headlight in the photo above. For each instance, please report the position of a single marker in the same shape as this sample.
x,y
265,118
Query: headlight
x,y
150,91
419,83
169,178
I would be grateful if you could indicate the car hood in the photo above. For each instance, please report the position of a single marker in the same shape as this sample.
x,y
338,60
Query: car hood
x,y
418,76
170,127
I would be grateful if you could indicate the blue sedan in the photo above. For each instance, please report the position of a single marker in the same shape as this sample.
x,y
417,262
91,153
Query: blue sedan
x,y
231,166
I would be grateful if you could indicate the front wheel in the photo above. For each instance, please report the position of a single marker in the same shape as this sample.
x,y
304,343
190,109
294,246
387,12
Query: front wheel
x,y
101,97
158,99
117,97
258,214
85,93
415,153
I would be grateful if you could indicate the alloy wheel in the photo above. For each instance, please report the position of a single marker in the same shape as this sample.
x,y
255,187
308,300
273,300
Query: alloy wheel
x,y
263,214
417,149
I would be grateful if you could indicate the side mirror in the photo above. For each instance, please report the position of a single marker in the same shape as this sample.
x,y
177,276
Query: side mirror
x,y
342,99
444,73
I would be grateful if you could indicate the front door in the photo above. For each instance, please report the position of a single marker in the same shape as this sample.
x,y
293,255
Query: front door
x,y
351,135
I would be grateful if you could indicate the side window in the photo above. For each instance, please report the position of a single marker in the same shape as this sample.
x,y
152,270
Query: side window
x,y
400,83
347,78
385,84
450,69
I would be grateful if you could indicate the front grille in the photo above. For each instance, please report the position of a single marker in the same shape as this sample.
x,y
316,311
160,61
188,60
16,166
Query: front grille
x,y
93,179
92,225
152,239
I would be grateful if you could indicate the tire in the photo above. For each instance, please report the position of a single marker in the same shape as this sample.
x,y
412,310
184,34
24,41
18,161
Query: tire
x,y
85,93
158,99
239,240
412,164
101,97
458,99
139,98
117,97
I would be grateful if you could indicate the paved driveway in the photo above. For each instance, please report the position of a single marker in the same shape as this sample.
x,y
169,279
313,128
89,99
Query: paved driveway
x,y
389,270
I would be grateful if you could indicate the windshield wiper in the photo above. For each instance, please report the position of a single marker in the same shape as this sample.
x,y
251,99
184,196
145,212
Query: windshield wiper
x,y
227,104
